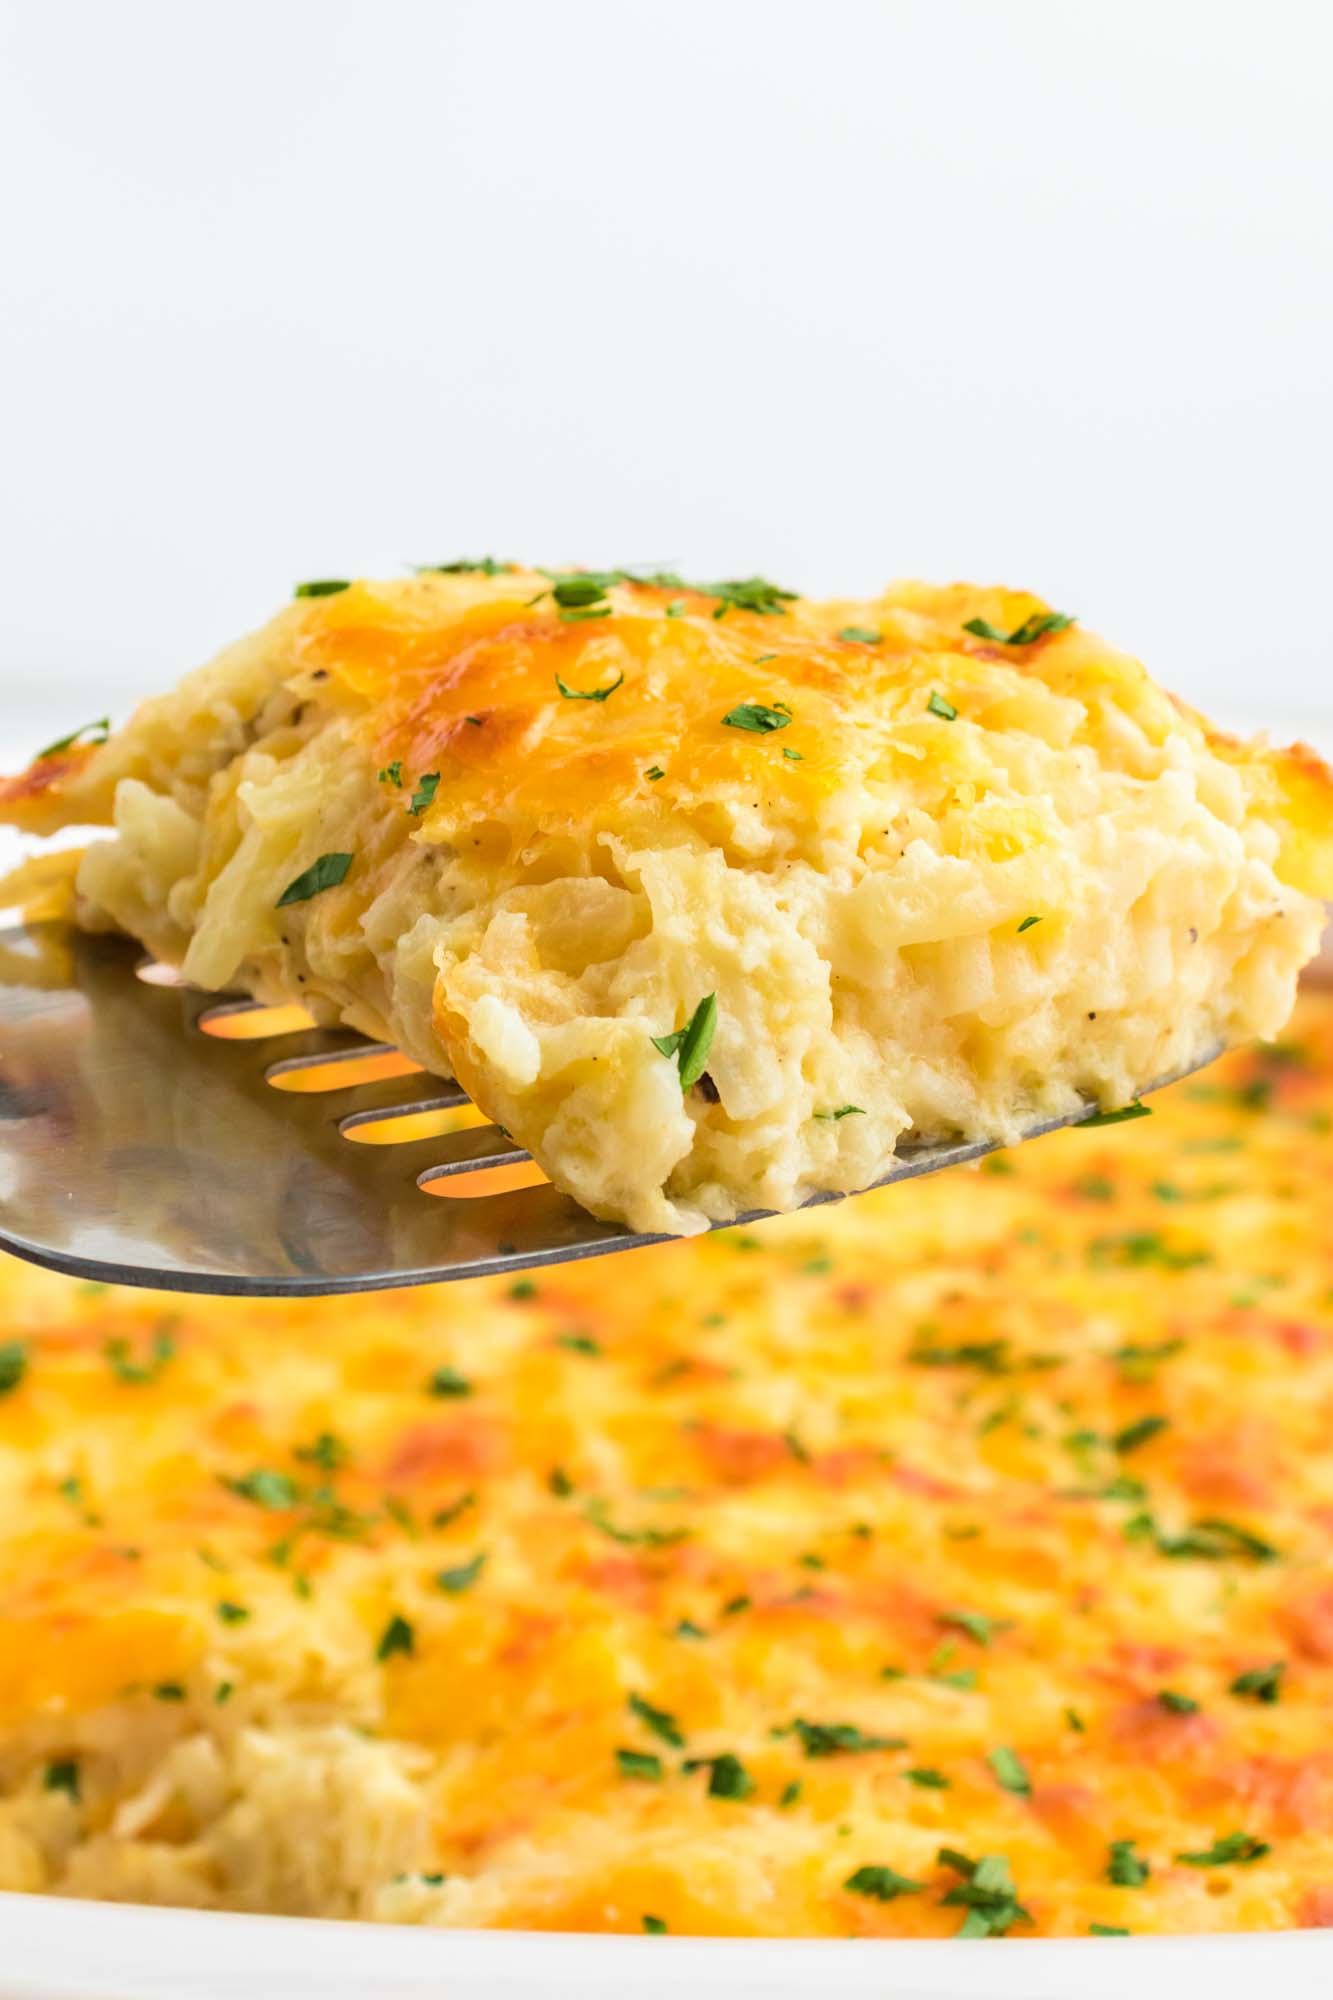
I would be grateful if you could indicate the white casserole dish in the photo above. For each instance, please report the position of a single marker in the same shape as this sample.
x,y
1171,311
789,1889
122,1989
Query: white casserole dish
x,y
60,1950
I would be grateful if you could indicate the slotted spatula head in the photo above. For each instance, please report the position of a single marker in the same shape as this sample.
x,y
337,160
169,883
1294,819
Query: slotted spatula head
x,y
138,1148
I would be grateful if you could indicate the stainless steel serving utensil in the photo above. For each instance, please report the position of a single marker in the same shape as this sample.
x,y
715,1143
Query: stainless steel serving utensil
x,y
137,1148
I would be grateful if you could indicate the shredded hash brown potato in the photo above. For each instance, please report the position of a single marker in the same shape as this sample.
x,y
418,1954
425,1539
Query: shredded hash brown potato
x,y
710,896
719,1587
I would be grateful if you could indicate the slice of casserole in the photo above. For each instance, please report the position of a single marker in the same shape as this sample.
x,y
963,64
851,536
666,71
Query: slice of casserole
x,y
710,895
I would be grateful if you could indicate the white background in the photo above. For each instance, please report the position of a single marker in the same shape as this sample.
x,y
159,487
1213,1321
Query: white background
x,y
1039,292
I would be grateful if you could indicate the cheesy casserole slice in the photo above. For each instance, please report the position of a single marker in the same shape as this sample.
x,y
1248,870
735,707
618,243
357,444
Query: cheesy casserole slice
x,y
710,896
956,1559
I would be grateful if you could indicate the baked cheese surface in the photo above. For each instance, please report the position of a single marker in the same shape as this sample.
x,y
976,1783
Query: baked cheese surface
x,y
711,896
955,1556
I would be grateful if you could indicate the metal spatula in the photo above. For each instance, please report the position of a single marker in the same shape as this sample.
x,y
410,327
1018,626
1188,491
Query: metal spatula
x,y
139,1148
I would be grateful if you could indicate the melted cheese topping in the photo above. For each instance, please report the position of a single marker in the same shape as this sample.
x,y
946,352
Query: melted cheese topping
x,y
989,1513
939,884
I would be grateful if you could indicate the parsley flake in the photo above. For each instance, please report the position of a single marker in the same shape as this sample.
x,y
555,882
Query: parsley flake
x,y
658,1720
590,694
93,732
1120,1117
1228,1848
1260,1683
654,1926
275,1491
1176,1703
62,1775
756,717
1033,628
1010,1771
842,1111
840,1739
328,586
448,1382
881,1882
326,873
397,1637
1027,924
1124,1867
937,705
13,1365
692,1043
727,1776
462,1576
861,635
643,1764
427,787
231,1614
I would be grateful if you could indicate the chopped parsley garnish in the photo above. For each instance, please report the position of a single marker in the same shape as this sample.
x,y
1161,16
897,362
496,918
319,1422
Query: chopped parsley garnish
x,y
1228,1848
1136,1434
1033,628
926,1778
231,1614
13,1365
791,1792
653,773
757,717
1120,1117
424,793
654,1926
326,873
840,1739
1214,1540
793,756
470,566
1010,1770
1124,1867
1260,1683
644,1764
462,1576
595,1514
727,1776
168,1691
397,1637
658,1720
1136,1248
94,732
392,774
692,1043
842,1111
1108,1930
975,1623
274,1490
62,1775
749,593
523,1288
447,1381
1027,924
580,1343
686,1628
937,705
1176,1703
987,1893
328,1451
125,1368
576,593
861,635
880,1882
327,586
590,694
